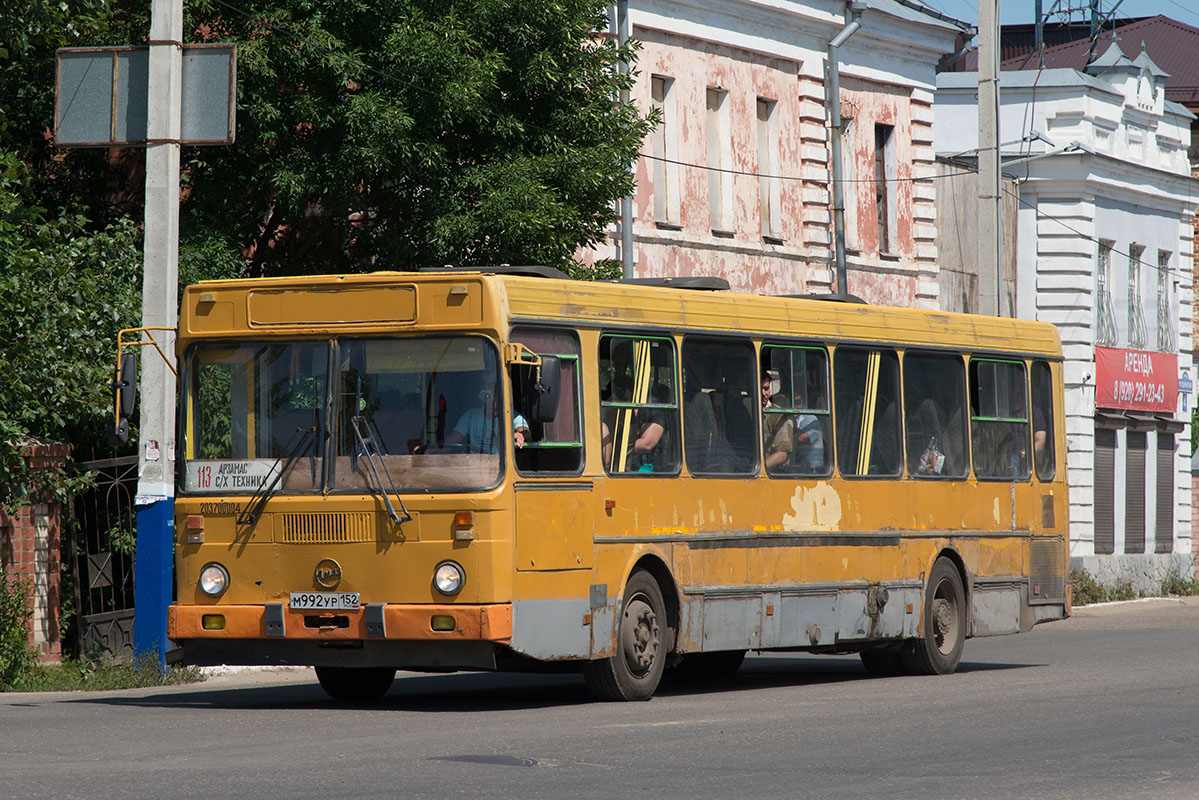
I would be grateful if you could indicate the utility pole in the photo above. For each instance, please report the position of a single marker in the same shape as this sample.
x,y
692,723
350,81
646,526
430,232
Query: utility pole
x,y
624,30
990,253
160,302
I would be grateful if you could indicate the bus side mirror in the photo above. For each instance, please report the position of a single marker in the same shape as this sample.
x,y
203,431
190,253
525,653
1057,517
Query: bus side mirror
x,y
544,390
124,395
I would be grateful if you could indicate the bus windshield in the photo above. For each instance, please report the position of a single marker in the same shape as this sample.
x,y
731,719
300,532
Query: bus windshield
x,y
428,409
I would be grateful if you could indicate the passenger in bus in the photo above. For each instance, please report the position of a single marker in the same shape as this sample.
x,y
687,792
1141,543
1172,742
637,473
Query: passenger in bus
x,y
651,445
809,444
778,429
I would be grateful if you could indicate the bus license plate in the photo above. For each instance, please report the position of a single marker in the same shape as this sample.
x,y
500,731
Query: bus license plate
x,y
322,601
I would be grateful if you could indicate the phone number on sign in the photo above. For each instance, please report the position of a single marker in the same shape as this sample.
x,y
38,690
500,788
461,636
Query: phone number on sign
x,y
1140,393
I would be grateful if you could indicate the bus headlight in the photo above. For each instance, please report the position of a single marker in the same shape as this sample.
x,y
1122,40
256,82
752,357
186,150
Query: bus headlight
x,y
448,577
214,579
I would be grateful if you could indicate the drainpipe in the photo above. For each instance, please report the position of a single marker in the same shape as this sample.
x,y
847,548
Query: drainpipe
x,y
623,31
833,98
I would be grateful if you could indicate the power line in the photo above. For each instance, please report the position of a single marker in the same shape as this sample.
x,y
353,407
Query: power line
x,y
817,181
1042,215
388,76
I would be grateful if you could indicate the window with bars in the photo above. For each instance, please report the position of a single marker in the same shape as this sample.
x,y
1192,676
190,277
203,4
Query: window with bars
x,y
1105,318
1138,336
1166,342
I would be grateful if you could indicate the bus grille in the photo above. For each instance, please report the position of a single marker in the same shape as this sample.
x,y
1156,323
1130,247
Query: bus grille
x,y
324,528
1046,572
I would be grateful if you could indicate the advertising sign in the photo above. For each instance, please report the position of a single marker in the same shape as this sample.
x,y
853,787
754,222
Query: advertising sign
x,y
1136,380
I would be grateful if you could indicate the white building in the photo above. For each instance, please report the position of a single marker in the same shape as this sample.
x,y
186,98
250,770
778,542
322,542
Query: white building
x,y
1104,242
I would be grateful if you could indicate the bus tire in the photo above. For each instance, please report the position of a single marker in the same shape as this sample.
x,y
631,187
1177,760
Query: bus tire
x,y
355,684
939,650
883,662
634,671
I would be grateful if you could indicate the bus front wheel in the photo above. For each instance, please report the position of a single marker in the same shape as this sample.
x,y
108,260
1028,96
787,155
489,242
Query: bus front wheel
x,y
355,685
634,671
939,650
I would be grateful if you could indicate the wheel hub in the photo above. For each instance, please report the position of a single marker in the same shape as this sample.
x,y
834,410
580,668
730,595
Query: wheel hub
x,y
639,636
944,625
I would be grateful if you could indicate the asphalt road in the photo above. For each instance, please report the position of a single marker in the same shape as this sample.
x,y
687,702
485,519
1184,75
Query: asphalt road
x,y
1104,705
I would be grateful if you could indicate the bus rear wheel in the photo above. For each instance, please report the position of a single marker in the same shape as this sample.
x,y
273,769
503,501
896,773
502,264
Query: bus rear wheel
x,y
939,650
355,684
883,662
634,671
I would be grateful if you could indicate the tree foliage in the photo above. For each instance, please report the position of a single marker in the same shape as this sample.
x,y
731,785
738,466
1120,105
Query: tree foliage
x,y
415,133
370,135
65,290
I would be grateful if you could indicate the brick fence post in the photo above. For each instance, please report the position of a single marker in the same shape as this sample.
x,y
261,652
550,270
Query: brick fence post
x,y
31,549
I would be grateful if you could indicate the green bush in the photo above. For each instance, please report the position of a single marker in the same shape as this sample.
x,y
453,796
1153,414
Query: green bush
x,y
1084,589
16,656
1178,586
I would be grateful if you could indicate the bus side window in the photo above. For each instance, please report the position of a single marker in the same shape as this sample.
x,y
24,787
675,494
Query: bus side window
x,y
557,446
1042,421
866,401
719,437
934,395
999,430
795,413
639,408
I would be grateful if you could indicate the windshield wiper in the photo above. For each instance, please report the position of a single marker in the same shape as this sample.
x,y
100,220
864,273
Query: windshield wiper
x,y
249,514
368,446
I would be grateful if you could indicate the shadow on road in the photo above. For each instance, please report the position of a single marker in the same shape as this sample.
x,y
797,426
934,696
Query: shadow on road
x,y
481,692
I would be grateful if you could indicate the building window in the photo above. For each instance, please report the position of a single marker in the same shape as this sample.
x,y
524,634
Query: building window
x,y
665,151
884,185
769,195
849,181
1105,318
1138,337
1165,305
720,157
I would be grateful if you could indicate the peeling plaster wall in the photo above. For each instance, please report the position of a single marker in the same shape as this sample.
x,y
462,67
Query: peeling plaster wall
x,y
776,52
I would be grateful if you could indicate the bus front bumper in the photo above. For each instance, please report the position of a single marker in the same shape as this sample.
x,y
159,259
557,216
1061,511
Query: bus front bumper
x,y
376,621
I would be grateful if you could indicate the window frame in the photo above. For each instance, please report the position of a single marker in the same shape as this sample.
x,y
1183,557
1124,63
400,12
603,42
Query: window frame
x,y
960,359
581,424
654,335
1027,420
827,431
748,343
870,347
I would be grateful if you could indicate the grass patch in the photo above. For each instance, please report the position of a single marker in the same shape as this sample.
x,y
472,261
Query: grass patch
x,y
1085,590
75,676
1178,586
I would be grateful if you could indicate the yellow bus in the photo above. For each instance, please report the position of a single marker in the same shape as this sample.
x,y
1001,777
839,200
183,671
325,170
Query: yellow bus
x,y
508,470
